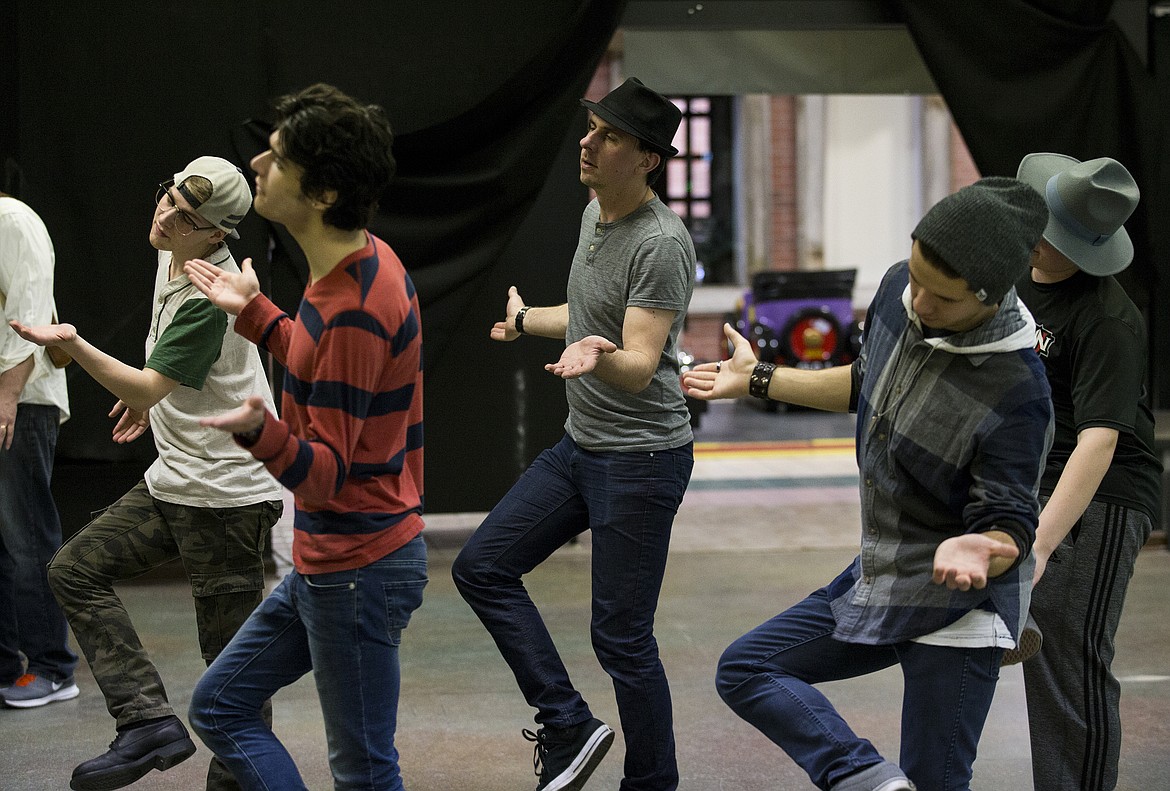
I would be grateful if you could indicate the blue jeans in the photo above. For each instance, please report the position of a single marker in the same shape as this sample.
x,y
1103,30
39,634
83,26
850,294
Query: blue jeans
x,y
628,501
30,532
345,627
767,678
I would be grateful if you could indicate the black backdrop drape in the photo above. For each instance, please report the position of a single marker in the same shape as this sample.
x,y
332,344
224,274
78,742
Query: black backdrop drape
x,y
111,99
1057,75
99,103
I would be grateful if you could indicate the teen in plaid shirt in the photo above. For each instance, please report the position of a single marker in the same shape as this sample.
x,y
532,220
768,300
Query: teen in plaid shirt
x,y
953,421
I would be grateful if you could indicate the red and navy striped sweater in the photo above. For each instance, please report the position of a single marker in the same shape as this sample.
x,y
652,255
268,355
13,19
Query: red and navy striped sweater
x,y
350,444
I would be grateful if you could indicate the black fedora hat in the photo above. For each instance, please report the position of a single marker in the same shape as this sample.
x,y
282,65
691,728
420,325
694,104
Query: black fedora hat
x,y
648,116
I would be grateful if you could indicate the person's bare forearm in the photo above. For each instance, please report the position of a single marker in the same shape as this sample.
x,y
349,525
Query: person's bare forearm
x,y
547,322
1082,474
137,388
826,389
626,370
13,380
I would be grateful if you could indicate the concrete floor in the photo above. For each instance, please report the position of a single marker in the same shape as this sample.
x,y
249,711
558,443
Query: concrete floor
x,y
760,528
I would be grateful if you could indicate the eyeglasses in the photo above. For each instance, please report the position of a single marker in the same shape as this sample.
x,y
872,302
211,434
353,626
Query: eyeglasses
x,y
184,223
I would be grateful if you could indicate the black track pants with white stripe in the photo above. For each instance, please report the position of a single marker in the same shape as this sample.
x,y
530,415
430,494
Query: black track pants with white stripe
x,y
1072,694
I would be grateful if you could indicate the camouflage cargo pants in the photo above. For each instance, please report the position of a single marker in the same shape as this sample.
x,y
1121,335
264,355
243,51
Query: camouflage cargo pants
x,y
222,552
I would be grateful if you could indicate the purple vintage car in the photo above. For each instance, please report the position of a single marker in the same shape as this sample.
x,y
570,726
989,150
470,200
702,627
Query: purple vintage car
x,y
801,319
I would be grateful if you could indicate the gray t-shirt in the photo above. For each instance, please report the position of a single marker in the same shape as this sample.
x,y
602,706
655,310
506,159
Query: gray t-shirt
x,y
646,259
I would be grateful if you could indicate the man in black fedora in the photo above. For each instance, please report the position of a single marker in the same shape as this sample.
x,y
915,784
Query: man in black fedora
x,y
1101,485
622,467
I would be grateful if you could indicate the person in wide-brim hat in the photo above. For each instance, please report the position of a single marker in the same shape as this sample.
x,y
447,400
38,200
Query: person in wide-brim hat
x,y
1100,489
1088,202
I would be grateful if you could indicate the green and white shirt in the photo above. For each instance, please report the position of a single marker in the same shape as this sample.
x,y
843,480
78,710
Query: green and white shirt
x,y
192,342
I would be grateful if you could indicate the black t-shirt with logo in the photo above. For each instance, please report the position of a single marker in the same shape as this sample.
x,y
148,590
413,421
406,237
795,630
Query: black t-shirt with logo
x,y
1092,340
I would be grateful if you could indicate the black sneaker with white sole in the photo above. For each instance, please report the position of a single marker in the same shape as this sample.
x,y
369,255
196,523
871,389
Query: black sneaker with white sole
x,y
564,758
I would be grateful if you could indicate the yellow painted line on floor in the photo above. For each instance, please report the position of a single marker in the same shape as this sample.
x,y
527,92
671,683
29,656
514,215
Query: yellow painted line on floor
x,y
782,448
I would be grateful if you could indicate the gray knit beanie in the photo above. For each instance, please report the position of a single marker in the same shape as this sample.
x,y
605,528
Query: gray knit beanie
x,y
986,233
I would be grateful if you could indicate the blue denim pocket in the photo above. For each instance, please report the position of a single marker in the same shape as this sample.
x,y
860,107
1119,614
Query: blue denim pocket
x,y
402,599
404,576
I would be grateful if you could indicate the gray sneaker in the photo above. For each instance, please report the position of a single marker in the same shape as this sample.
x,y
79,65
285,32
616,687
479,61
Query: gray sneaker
x,y
897,784
30,691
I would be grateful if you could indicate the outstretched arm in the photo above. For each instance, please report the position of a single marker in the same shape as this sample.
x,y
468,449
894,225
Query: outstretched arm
x,y
137,388
827,389
550,322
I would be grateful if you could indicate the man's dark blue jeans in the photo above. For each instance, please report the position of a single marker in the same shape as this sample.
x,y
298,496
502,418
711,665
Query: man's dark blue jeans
x,y
628,501
30,532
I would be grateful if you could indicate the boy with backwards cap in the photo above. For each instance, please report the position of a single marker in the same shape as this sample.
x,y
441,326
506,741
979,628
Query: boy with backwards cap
x,y
1102,481
204,500
953,421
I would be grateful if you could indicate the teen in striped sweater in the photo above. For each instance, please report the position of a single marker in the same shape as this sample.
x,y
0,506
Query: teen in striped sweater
x,y
349,446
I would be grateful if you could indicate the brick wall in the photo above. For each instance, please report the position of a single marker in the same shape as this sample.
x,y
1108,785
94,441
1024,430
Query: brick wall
x,y
784,250
963,170
703,336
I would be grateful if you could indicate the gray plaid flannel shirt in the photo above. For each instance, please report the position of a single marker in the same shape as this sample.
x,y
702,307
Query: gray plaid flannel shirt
x,y
948,442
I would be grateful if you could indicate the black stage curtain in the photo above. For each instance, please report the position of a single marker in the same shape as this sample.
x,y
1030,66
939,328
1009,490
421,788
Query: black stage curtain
x,y
101,103
483,97
1057,75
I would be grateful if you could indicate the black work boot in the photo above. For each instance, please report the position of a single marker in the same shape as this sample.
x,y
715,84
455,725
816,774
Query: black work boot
x,y
155,744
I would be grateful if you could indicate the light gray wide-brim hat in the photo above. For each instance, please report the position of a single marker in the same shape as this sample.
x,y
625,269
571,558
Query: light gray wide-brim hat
x,y
1087,204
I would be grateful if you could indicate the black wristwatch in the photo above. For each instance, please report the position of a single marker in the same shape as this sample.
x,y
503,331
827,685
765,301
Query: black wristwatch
x,y
519,320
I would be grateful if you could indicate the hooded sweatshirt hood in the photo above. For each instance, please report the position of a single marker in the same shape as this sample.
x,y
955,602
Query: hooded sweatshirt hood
x,y
1010,329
